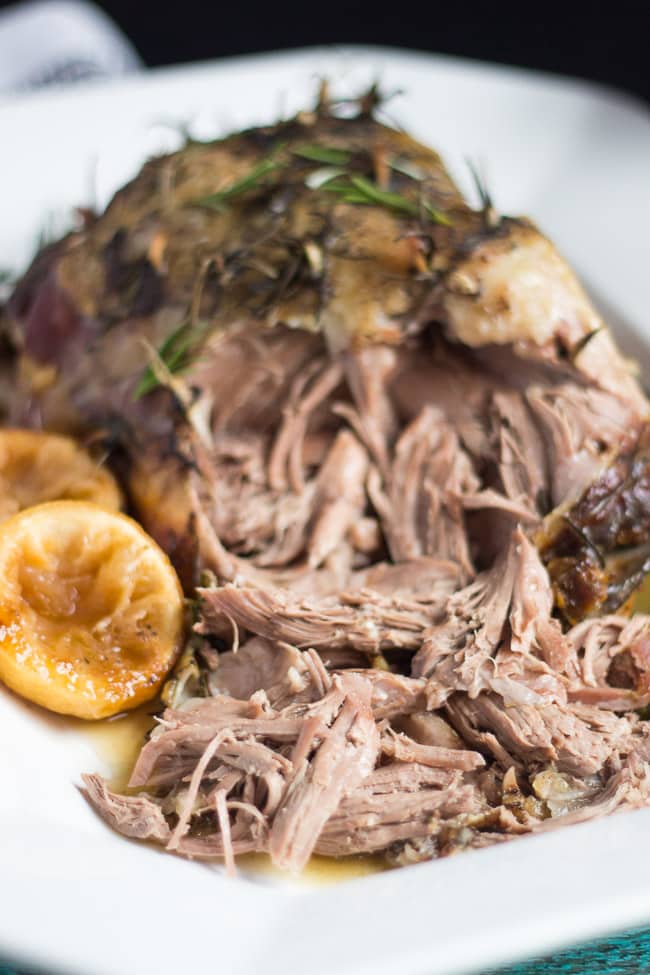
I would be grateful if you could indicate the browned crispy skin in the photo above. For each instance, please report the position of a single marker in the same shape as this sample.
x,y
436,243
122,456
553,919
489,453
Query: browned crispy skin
x,y
598,550
278,274
285,250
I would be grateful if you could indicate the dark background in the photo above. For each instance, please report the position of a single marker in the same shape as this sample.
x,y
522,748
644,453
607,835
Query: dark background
x,y
607,42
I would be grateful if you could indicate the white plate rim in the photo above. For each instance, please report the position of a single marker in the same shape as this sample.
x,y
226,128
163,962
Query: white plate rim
x,y
73,924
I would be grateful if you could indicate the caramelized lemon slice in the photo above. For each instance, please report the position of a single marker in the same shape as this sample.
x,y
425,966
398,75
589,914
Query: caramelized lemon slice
x,y
91,610
37,467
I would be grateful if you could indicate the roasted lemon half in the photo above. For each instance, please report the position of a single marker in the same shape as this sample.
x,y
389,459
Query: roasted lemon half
x,y
37,467
91,610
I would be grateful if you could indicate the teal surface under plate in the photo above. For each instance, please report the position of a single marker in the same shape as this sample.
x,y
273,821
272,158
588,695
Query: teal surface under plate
x,y
624,954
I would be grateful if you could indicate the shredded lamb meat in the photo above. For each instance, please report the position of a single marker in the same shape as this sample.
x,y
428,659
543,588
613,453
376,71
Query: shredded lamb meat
x,y
402,470
508,725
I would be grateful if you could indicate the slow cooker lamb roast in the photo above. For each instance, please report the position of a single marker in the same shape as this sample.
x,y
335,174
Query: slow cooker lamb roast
x,y
403,472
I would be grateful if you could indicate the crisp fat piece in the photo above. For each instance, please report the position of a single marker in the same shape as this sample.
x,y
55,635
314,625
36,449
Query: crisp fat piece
x,y
596,549
516,288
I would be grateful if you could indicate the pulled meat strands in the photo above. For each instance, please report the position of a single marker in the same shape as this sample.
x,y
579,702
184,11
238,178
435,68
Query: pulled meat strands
x,y
422,511
135,816
396,804
308,286
272,510
610,662
340,496
519,451
334,748
322,791
582,429
285,461
344,759
448,377
497,633
369,371
324,794
354,377
400,747
576,739
328,772
364,619
427,490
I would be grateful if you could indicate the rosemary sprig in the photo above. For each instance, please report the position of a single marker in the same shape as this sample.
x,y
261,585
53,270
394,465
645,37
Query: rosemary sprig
x,y
174,355
332,177
252,179
368,192
358,189
327,155
584,341
437,215
484,195
491,219
407,168
317,178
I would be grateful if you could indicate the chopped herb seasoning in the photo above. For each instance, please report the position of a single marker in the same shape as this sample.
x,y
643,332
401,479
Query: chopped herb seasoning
x,y
251,181
175,355
323,154
357,189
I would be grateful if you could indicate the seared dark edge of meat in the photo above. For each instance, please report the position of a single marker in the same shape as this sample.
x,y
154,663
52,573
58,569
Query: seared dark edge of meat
x,y
598,550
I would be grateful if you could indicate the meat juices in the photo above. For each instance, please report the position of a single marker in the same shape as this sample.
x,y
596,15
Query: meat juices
x,y
398,447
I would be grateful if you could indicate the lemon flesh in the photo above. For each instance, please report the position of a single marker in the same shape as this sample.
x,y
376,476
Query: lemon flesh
x,y
91,610
38,467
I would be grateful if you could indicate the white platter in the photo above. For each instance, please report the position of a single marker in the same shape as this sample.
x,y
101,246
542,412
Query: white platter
x,y
74,897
